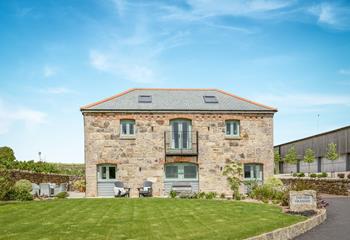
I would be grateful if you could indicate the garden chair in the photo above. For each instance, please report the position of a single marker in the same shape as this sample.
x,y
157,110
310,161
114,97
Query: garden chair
x,y
120,190
35,189
61,188
146,189
45,189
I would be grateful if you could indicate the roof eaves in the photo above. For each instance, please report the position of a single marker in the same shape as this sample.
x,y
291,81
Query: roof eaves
x,y
247,100
312,136
106,99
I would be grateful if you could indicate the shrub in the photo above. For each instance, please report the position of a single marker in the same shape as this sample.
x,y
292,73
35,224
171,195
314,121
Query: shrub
x,y
79,185
10,195
201,195
23,185
22,195
250,185
62,195
210,195
301,174
274,182
223,195
322,175
233,172
5,183
295,174
172,194
313,175
22,189
341,175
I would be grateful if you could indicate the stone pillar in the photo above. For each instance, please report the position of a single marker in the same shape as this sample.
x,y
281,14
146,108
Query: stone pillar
x,y
91,180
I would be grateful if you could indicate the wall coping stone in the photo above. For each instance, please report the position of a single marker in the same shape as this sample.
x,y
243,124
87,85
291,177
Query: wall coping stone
x,y
317,179
52,174
292,231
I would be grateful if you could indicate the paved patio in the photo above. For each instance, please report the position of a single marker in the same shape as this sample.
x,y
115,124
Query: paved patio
x,y
76,195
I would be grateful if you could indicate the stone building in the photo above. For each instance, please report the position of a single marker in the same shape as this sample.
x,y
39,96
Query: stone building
x,y
318,143
180,139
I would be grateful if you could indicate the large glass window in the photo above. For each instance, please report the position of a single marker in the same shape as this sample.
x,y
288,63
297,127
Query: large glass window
x,y
253,171
127,127
181,134
232,128
106,172
181,171
171,171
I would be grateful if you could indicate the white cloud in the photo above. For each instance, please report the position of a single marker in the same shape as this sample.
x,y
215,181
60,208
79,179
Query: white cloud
x,y
11,115
201,9
57,90
49,71
332,15
131,69
344,71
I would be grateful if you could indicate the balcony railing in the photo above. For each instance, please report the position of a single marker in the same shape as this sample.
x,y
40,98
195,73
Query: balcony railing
x,y
181,143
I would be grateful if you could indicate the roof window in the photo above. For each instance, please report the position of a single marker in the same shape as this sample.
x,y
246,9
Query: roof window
x,y
145,99
210,99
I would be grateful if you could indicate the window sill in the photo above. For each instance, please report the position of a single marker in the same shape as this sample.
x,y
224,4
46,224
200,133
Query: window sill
x,y
106,180
233,137
181,180
132,137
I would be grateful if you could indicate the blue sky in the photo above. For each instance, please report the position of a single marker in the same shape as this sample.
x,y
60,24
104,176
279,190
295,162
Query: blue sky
x,y
56,56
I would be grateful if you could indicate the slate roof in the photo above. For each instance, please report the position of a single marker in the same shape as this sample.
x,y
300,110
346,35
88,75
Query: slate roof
x,y
176,100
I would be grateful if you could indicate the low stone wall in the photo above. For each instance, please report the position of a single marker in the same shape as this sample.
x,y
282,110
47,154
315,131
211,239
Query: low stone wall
x,y
294,230
43,177
321,185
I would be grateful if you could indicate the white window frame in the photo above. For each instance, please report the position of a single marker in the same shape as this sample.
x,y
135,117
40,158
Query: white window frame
x,y
128,123
232,123
181,172
253,171
107,166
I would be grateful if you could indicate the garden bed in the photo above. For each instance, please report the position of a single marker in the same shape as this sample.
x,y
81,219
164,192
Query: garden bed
x,y
139,219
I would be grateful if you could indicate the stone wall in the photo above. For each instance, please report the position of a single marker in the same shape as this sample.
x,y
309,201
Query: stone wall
x,y
143,157
42,177
293,231
321,185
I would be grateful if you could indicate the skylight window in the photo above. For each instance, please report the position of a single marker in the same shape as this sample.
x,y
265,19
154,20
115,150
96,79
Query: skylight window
x,y
210,99
145,99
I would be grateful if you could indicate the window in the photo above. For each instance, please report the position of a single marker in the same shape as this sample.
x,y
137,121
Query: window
x,y
210,99
232,128
171,171
106,172
127,127
181,171
253,171
181,134
190,171
145,99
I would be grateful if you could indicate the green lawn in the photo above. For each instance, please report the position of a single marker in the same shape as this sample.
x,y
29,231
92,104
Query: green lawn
x,y
138,219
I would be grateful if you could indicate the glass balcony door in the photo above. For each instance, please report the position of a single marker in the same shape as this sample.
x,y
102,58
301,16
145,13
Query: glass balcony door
x,y
181,134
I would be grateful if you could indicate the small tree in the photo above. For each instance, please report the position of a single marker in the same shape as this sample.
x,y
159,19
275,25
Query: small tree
x,y
277,159
332,154
291,156
7,157
233,172
309,157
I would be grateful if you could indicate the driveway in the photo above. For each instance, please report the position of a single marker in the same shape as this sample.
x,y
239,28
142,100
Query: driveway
x,y
337,225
